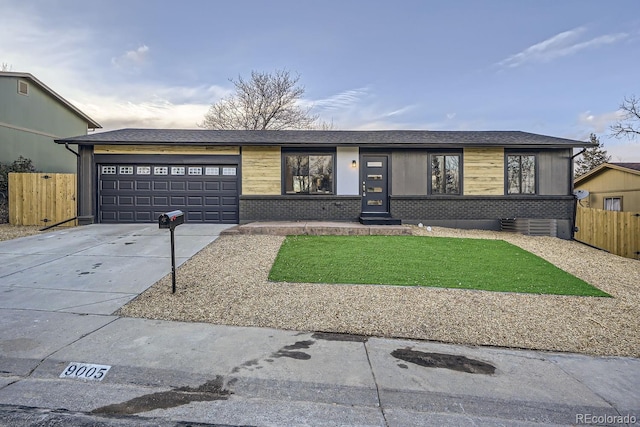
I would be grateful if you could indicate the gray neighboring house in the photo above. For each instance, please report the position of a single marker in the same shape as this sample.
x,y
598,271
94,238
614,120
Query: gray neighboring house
x,y
466,179
32,115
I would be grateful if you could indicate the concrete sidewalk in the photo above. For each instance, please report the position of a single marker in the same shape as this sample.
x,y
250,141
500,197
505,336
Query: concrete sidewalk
x,y
171,373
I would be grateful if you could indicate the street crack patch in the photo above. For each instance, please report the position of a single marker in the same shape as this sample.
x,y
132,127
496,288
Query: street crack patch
x,y
329,336
207,392
446,361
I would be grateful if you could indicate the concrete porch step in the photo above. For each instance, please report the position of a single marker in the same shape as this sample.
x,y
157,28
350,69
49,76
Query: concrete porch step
x,y
317,228
379,220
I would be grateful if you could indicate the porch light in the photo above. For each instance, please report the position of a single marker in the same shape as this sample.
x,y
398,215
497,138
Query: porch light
x,y
354,163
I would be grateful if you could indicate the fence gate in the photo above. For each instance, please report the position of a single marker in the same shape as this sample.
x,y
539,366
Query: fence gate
x,y
41,198
616,232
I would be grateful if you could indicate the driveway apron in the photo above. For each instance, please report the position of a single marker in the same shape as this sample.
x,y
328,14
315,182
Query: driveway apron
x,y
93,269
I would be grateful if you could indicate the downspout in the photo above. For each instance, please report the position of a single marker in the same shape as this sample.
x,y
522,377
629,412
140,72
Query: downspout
x,y
66,145
575,199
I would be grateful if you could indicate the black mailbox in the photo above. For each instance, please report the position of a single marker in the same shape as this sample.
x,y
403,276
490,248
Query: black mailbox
x,y
171,219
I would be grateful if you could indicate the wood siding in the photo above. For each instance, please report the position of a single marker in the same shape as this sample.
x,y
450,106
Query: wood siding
x,y
616,232
165,149
261,171
483,171
612,183
41,199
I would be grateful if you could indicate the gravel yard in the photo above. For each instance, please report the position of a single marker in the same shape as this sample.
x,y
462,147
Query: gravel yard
x,y
8,232
226,283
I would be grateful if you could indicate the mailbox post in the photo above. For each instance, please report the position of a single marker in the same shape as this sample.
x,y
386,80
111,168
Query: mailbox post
x,y
171,220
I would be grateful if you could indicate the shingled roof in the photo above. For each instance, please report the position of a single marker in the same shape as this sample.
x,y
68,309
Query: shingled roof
x,y
382,138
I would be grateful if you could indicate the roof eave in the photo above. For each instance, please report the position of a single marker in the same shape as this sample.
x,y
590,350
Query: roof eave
x,y
91,124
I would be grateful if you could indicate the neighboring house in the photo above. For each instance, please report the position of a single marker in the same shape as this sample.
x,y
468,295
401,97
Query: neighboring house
x,y
612,187
456,179
31,117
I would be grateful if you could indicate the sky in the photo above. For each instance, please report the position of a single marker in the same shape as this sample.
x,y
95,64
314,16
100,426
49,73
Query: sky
x,y
553,67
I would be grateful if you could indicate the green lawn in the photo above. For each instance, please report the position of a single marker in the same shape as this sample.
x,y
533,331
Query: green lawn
x,y
492,265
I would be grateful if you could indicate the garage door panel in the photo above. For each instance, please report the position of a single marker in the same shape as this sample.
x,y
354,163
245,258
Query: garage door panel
x,y
160,200
141,193
144,216
125,216
125,185
177,186
229,186
143,200
109,185
195,185
212,201
143,185
212,216
125,201
160,185
178,201
194,201
229,201
212,186
194,216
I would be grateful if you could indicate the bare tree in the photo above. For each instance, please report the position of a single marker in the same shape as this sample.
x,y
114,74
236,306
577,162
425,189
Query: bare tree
x,y
629,126
5,67
266,101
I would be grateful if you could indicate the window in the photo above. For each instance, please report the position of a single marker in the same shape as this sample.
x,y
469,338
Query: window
x,y
108,170
308,173
445,174
521,174
613,203
126,170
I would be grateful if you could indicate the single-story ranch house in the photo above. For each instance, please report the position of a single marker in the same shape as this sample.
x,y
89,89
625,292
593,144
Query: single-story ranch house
x,y
465,179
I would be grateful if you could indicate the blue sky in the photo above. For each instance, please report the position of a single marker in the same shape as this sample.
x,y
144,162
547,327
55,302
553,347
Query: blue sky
x,y
555,67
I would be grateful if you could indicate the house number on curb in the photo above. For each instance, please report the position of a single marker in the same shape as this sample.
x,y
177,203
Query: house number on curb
x,y
85,371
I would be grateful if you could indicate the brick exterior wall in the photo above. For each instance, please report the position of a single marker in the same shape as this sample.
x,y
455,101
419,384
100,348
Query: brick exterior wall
x,y
461,212
479,207
298,208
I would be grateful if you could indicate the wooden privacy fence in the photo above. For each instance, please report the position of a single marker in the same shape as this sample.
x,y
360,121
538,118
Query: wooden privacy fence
x,y
616,232
42,198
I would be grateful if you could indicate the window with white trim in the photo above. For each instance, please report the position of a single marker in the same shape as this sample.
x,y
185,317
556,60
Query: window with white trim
x,y
613,204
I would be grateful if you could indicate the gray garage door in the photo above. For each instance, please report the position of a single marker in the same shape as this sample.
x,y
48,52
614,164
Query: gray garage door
x,y
142,192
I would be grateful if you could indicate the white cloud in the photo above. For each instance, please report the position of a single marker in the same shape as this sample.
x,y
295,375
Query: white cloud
x,y
562,44
132,60
73,64
598,123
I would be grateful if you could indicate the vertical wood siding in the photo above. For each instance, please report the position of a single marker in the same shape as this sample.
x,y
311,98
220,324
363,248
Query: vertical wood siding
x,y
41,198
261,171
616,232
483,171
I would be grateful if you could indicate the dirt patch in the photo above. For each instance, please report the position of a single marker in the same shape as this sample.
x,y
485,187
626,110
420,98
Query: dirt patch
x,y
446,361
9,232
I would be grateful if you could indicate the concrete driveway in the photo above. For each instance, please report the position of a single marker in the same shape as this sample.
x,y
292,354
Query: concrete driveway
x,y
94,269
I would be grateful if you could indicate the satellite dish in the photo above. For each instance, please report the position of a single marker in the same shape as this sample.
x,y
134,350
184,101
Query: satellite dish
x,y
581,194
